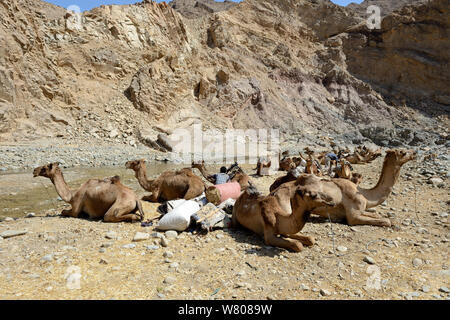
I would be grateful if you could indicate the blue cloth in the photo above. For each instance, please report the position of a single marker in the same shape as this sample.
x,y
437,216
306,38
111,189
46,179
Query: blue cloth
x,y
332,156
221,178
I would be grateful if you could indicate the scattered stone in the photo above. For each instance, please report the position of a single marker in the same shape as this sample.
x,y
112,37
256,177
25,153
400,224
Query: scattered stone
x,y
171,234
30,215
111,235
152,247
102,250
174,265
341,249
219,236
157,235
425,289
444,289
369,260
304,287
7,219
325,293
169,280
168,254
141,236
164,242
12,233
47,258
103,261
129,246
106,245
417,262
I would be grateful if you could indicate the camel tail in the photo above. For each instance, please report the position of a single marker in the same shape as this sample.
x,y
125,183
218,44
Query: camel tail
x,y
141,211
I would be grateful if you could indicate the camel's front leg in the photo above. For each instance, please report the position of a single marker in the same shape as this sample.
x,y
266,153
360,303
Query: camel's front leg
x,y
150,198
77,206
271,239
306,240
358,217
122,211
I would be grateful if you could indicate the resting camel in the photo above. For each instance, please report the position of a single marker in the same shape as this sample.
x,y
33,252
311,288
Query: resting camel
x,y
343,170
170,185
366,157
283,212
351,201
108,199
313,167
263,167
237,174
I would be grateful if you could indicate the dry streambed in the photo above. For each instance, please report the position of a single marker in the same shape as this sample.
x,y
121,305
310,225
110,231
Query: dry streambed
x,y
66,258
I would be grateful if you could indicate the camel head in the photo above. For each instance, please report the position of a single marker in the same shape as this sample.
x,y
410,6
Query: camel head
x,y
311,198
135,164
47,171
198,165
401,156
356,178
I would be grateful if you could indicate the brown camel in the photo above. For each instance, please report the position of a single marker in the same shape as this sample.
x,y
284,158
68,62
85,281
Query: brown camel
x,y
313,167
344,170
351,201
263,167
170,185
237,174
108,199
283,212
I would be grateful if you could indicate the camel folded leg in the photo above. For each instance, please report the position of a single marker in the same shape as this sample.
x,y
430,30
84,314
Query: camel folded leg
x,y
306,240
122,211
191,193
271,239
150,198
371,215
356,217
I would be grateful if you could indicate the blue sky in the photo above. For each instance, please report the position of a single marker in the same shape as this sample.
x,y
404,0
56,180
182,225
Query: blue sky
x,y
89,4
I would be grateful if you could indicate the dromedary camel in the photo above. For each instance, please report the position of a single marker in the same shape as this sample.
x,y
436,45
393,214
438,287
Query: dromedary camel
x,y
238,175
283,212
170,185
108,199
351,201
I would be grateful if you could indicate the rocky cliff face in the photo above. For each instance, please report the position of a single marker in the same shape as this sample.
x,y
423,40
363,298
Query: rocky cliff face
x,y
128,73
386,6
197,8
407,61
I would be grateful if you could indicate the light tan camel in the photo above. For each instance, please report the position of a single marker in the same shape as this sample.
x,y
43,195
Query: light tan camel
x,y
366,156
107,199
283,212
312,167
344,170
238,174
351,201
170,185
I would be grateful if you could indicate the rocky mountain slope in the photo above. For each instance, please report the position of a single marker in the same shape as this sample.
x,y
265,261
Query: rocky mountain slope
x,y
128,73
386,6
197,8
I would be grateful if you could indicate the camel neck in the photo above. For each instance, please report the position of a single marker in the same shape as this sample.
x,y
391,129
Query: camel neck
x,y
141,175
383,188
61,186
204,172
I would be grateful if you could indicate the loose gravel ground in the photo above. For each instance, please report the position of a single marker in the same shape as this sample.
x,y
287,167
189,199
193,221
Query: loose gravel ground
x,y
407,261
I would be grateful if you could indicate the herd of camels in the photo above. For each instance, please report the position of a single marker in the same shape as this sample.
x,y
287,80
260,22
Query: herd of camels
x,y
277,217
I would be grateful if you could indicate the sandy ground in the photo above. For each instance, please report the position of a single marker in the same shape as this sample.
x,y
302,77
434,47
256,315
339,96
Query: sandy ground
x,y
407,261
